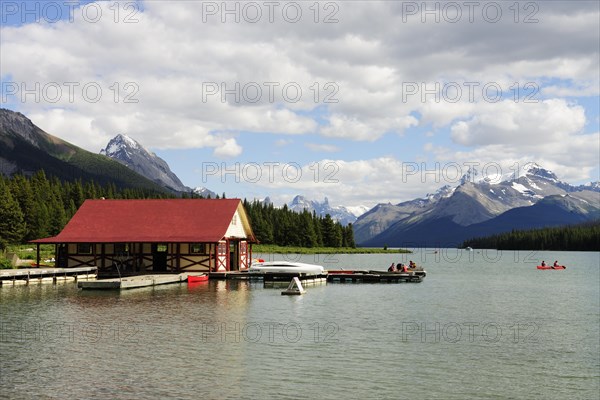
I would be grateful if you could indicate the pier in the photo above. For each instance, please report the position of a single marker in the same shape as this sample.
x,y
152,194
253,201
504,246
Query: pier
x,y
375,277
271,279
27,276
86,277
341,276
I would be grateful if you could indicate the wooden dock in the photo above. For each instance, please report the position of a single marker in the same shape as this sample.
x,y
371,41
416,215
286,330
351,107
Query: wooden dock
x,y
132,282
375,277
271,279
356,276
26,276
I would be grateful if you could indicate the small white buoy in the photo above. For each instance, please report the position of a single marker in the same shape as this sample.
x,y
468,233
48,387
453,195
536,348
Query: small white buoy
x,y
294,288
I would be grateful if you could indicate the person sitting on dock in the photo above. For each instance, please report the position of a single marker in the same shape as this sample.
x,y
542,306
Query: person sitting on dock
x,y
412,265
404,269
392,268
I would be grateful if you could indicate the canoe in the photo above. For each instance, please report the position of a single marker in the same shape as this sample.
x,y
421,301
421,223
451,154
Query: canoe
x,y
551,267
197,278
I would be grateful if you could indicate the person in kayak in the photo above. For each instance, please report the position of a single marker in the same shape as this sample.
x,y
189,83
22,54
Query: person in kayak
x,y
543,263
556,264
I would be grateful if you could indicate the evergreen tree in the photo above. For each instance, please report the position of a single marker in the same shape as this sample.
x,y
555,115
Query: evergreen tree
x,y
12,224
331,235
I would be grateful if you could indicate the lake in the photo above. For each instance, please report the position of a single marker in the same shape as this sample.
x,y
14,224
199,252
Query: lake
x,y
483,324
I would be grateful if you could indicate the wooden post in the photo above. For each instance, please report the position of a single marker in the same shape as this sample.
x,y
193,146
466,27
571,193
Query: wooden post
x,y
37,257
178,260
103,255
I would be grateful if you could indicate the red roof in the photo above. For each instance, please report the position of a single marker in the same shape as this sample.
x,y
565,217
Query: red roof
x,y
149,221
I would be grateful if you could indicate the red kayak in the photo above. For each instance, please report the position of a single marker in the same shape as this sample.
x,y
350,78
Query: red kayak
x,y
551,267
197,278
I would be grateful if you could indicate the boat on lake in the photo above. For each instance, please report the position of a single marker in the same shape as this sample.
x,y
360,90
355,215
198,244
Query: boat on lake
x,y
551,267
287,267
197,278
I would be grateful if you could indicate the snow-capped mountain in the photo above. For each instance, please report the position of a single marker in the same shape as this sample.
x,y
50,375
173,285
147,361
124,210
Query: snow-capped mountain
x,y
25,148
476,200
382,216
133,155
204,192
342,214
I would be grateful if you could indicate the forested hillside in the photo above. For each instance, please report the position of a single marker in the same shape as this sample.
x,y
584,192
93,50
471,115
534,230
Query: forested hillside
x,y
40,206
287,228
580,237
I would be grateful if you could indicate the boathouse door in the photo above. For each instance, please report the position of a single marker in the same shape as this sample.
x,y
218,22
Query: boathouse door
x,y
234,256
159,257
222,256
243,255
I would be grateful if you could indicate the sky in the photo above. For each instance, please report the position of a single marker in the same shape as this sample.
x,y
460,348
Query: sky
x,y
362,102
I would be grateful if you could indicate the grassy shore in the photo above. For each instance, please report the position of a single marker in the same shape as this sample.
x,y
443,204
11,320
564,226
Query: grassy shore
x,y
27,253
274,249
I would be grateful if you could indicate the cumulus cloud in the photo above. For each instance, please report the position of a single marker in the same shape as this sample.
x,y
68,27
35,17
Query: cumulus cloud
x,y
179,77
520,124
228,149
326,148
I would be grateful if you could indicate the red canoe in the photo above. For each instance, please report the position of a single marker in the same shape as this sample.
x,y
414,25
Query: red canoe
x,y
197,278
551,267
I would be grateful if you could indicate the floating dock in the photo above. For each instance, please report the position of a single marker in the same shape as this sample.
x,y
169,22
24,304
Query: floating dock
x,y
340,276
271,278
86,277
26,276
132,282
375,276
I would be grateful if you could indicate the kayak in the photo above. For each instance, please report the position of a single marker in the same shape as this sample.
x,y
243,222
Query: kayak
x,y
197,278
551,267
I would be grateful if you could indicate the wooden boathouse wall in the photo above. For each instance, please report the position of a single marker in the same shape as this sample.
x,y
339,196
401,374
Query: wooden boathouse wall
x,y
233,255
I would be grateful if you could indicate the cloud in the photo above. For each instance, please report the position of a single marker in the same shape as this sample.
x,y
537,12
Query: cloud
x,y
181,78
520,124
173,51
325,148
228,149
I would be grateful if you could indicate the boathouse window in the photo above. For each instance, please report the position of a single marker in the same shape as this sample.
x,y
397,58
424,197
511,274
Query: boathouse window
x,y
198,248
121,248
84,248
234,220
161,248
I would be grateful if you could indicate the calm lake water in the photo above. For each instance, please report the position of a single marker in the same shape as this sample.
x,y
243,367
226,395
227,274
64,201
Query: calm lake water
x,y
482,324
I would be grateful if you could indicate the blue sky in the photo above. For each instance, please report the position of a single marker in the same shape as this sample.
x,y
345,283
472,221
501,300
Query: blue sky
x,y
353,93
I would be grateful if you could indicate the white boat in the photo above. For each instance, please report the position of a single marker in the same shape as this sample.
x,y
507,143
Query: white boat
x,y
286,266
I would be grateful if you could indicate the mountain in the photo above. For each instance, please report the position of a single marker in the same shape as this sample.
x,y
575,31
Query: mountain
x,y
382,216
25,148
476,207
133,155
344,215
204,192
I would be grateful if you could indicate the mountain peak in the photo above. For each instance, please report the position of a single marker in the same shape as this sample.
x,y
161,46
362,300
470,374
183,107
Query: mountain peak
x,y
122,143
533,169
204,192
344,215
12,121
469,176
133,155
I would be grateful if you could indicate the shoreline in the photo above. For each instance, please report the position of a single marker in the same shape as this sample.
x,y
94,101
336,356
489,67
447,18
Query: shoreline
x,y
274,249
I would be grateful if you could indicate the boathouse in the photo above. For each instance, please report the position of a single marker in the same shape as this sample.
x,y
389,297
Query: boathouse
x,y
153,236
